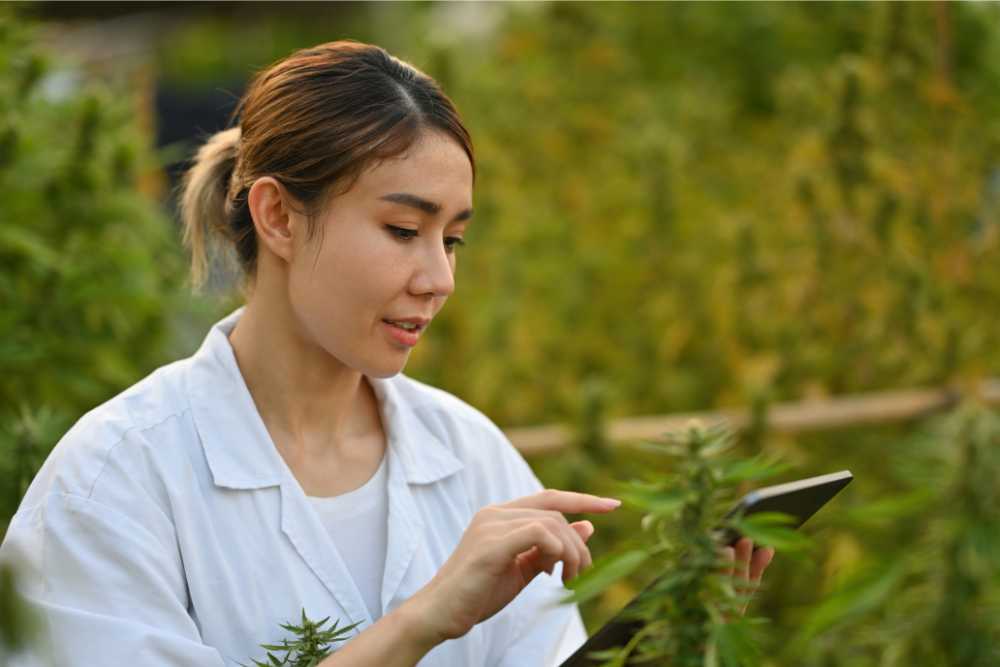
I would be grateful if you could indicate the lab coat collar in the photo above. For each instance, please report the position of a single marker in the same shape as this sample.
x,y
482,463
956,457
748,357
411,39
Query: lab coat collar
x,y
239,449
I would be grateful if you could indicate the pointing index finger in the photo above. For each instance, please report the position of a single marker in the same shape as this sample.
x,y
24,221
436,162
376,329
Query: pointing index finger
x,y
567,502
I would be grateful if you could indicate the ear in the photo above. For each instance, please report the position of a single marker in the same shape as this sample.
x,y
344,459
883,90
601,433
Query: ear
x,y
274,219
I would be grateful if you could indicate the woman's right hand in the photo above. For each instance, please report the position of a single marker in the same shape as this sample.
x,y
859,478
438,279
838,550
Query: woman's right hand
x,y
502,550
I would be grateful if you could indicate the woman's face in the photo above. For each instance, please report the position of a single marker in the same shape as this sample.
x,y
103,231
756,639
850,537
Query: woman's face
x,y
385,252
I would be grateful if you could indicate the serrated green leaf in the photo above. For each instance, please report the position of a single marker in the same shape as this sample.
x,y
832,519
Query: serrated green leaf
x,y
750,470
890,509
602,573
735,644
865,591
770,529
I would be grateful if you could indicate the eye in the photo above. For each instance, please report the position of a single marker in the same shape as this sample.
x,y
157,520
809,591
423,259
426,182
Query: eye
x,y
404,234
401,233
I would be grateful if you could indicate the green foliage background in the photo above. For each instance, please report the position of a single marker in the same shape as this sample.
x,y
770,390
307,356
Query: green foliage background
x,y
90,266
678,207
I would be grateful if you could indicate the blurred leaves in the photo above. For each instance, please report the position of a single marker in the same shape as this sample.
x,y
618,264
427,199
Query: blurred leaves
x,y
18,625
928,601
772,529
773,206
865,592
90,265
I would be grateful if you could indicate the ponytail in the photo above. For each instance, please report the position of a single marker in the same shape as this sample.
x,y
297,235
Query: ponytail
x,y
205,198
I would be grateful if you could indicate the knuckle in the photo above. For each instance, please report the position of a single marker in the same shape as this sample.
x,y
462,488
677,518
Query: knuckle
x,y
549,494
551,523
538,528
556,516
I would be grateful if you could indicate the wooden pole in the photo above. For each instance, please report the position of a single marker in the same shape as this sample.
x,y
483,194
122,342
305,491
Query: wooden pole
x,y
814,415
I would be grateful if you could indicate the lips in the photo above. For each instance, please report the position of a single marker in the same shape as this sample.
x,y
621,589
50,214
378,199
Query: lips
x,y
398,331
414,324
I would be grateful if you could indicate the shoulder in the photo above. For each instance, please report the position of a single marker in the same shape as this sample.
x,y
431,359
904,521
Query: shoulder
x,y
437,406
491,464
117,439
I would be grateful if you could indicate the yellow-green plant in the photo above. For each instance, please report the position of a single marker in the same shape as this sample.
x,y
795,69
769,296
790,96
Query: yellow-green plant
x,y
88,265
17,624
690,615
936,601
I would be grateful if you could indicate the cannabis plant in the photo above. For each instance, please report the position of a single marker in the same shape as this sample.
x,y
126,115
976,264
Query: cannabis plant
x,y
17,624
935,598
90,265
311,645
690,615
85,268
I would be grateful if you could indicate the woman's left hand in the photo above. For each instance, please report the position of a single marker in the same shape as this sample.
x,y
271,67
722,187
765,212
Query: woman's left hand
x,y
746,566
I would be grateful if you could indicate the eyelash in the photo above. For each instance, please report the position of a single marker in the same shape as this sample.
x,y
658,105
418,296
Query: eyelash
x,y
403,234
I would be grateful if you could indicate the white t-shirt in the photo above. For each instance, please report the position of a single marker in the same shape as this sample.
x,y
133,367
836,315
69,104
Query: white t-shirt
x,y
165,528
358,524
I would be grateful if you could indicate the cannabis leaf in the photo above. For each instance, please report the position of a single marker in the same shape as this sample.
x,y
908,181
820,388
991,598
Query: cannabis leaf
x,y
312,645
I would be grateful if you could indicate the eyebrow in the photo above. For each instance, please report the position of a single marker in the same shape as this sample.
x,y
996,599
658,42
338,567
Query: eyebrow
x,y
425,205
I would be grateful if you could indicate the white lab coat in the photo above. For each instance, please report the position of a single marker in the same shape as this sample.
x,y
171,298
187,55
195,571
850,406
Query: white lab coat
x,y
165,528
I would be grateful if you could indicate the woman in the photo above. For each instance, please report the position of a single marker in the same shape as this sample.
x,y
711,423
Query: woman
x,y
288,465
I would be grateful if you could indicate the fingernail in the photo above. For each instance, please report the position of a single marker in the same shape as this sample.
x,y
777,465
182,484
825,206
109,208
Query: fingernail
x,y
611,502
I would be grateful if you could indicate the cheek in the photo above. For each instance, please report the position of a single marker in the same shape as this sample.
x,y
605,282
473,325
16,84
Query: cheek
x,y
356,278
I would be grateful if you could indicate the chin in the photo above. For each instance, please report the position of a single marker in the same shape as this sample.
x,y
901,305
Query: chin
x,y
382,374
384,371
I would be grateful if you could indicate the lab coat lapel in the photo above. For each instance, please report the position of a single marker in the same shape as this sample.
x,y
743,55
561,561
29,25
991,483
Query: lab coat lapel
x,y
416,457
236,443
405,529
301,525
241,456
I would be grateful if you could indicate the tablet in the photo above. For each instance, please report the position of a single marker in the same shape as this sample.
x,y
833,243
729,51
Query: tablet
x,y
800,499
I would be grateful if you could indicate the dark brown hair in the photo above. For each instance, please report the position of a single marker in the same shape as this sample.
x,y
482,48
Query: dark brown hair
x,y
313,121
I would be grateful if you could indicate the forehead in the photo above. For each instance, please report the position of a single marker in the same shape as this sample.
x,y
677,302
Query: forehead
x,y
434,167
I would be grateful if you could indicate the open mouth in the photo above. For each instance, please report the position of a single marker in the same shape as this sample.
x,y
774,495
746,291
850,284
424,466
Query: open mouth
x,y
404,333
405,326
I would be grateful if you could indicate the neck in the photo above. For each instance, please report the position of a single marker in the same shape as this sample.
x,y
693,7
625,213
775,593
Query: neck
x,y
312,404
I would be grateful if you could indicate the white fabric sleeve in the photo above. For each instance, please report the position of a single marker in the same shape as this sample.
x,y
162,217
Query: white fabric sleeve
x,y
542,632
547,632
108,590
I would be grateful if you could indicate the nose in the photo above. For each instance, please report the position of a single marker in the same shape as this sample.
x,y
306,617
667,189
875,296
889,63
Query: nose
x,y
435,272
